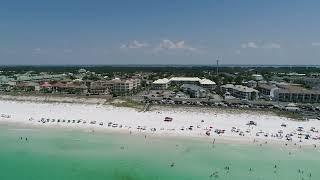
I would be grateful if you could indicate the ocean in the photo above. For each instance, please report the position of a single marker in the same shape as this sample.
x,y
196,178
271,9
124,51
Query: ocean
x,y
61,154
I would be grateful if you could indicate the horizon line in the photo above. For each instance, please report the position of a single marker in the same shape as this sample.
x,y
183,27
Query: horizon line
x,y
162,65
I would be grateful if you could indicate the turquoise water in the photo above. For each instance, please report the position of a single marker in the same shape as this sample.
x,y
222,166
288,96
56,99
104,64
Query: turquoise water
x,y
52,154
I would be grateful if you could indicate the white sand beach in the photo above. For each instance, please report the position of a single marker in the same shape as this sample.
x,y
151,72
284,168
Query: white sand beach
x,y
186,122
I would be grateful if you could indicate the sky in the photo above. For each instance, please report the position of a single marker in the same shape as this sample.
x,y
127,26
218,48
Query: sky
x,y
38,32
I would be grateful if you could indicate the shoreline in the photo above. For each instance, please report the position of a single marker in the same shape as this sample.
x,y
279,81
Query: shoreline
x,y
130,119
168,137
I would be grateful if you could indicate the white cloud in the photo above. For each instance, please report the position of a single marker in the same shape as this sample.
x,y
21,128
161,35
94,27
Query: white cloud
x,y
8,51
271,46
249,44
67,51
134,45
263,45
167,44
38,51
237,51
315,44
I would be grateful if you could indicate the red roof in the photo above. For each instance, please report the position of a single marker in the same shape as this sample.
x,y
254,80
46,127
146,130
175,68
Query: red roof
x,y
46,84
59,84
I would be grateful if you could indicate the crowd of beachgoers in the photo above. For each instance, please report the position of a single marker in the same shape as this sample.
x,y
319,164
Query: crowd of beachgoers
x,y
251,127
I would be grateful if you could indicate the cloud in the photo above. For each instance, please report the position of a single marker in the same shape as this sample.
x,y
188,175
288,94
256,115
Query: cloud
x,y
263,45
315,44
249,44
67,51
134,45
38,51
167,44
237,51
271,46
8,51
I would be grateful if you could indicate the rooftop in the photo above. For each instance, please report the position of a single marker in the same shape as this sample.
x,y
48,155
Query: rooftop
x,y
298,90
267,86
185,79
191,79
192,87
206,81
161,81
239,88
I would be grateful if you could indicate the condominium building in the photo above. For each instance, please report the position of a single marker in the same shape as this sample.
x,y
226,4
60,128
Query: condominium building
x,y
164,83
297,94
100,87
161,84
267,90
194,91
239,91
257,77
124,86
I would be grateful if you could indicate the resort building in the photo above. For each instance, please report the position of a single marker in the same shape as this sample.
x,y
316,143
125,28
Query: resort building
x,y
239,91
287,92
64,88
123,86
297,94
267,90
5,83
161,84
164,83
250,83
257,77
194,91
5,79
27,86
41,77
100,87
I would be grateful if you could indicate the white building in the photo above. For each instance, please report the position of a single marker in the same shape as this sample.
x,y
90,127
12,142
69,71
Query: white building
x,y
82,71
123,86
239,91
257,77
101,87
161,84
5,79
164,83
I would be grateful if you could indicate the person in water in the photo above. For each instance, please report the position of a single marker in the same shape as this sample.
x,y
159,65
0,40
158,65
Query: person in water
x,y
172,164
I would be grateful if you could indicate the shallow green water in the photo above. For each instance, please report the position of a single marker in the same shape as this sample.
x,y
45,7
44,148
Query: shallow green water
x,y
67,155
